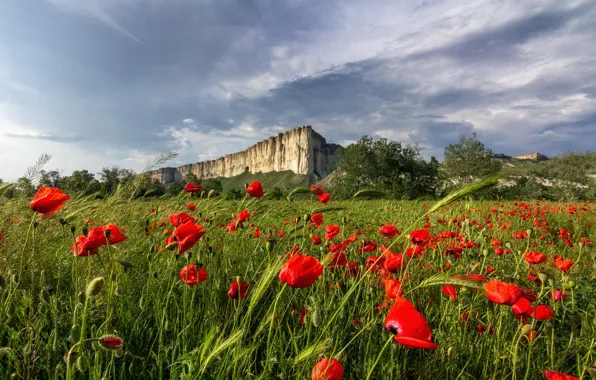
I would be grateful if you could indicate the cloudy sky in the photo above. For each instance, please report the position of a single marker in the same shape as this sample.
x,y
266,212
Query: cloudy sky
x,y
116,82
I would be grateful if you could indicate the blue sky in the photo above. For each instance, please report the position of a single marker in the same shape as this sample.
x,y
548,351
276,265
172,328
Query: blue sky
x,y
116,82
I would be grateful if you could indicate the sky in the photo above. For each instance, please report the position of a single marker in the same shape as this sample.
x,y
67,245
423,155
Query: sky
x,y
97,83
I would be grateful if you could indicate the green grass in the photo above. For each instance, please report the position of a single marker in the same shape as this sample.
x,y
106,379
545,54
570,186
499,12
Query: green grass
x,y
284,180
176,331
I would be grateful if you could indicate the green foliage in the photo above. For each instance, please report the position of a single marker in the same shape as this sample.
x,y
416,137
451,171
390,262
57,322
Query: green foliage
x,y
276,193
467,160
234,194
212,184
384,165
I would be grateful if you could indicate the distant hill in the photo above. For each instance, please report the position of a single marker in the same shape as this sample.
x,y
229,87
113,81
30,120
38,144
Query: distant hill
x,y
285,180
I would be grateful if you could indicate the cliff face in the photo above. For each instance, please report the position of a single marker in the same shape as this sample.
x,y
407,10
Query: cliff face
x,y
301,150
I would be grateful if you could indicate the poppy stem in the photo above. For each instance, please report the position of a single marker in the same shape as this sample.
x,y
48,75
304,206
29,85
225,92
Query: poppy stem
x,y
379,357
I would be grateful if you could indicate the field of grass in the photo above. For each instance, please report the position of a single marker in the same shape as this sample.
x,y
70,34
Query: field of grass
x,y
174,330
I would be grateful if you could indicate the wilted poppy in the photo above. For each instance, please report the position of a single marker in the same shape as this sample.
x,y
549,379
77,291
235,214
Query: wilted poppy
x,y
48,200
300,271
503,293
193,276
420,237
238,292
316,190
255,190
191,188
327,369
449,290
409,326
187,236
389,230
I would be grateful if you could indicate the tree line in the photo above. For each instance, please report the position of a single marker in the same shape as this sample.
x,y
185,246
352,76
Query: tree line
x,y
390,167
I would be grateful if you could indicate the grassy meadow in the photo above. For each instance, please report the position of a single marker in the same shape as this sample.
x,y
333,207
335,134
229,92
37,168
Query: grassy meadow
x,y
172,330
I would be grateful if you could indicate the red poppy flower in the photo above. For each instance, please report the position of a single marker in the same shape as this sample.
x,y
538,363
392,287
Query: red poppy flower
x,y
112,342
300,271
316,190
522,307
238,292
191,206
389,230
533,257
316,240
337,259
48,200
542,313
393,262
180,218
477,278
77,247
449,290
552,375
420,237
409,326
317,219
558,295
255,190
327,369
324,198
499,251
100,236
393,288
330,231
193,276
171,242
191,188
563,264
369,246
187,235
503,293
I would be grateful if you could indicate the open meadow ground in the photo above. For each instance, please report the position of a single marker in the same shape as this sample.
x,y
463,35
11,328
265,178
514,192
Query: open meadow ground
x,y
386,304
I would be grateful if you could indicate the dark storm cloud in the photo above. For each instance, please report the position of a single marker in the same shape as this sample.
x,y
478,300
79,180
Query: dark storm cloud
x,y
126,73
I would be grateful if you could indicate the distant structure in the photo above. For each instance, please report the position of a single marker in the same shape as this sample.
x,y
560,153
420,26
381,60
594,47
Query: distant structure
x,y
301,150
532,157
501,156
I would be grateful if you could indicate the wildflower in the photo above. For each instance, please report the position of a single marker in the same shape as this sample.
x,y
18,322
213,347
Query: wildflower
x,y
111,342
420,237
327,369
300,271
180,218
191,188
99,236
331,231
190,275
552,375
393,288
389,230
542,313
316,240
238,291
502,292
187,235
449,290
535,257
191,206
255,190
324,198
48,200
409,326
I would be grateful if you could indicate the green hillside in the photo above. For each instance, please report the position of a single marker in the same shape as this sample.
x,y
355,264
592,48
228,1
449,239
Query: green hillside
x,y
285,180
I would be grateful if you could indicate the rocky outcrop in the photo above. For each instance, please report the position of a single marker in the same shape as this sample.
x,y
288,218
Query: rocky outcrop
x,y
301,150
532,157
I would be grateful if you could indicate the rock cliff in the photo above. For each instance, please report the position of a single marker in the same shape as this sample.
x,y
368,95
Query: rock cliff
x,y
301,150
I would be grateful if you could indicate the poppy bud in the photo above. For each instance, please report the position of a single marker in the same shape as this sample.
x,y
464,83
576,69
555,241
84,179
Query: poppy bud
x,y
508,245
73,229
485,252
543,276
526,329
571,284
119,353
591,371
35,225
2,281
85,230
82,363
111,342
529,232
449,351
269,246
155,275
306,217
62,221
94,287
316,317
551,282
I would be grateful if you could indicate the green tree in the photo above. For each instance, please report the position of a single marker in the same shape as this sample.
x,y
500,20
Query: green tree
x,y
81,181
112,177
25,187
385,165
467,160
51,178
212,184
